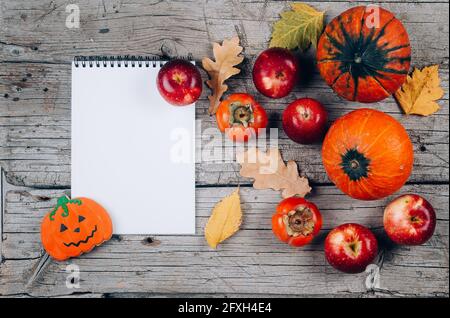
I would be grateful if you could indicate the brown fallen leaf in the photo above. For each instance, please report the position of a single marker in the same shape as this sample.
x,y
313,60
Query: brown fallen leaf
x,y
269,171
227,56
419,93
225,219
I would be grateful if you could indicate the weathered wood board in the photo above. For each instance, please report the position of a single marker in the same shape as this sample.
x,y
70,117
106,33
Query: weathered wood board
x,y
35,54
251,262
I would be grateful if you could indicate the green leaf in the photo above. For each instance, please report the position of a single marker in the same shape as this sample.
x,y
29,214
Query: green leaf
x,y
298,28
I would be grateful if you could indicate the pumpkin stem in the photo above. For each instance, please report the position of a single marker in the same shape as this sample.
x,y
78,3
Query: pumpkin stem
x,y
355,164
62,202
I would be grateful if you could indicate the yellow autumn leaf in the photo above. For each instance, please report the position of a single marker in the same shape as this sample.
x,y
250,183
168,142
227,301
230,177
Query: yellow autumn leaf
x,y
225,219
299,27
419,93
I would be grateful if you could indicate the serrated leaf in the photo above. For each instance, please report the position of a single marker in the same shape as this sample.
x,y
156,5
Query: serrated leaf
x,y
270,172
227,56
225,219
420,91
299,27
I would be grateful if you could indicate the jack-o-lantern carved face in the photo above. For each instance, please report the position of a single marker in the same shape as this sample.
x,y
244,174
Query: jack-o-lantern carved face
x,y
73,227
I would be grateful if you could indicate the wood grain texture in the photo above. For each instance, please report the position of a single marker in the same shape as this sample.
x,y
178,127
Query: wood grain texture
x,y
251,262
35,54
36,30
35,130
35,117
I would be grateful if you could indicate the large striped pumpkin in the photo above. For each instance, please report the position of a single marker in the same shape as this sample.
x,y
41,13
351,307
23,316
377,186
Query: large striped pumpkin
x,y
367,154
364,54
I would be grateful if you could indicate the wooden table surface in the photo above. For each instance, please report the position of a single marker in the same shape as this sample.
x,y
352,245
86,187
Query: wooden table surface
x,y
36,50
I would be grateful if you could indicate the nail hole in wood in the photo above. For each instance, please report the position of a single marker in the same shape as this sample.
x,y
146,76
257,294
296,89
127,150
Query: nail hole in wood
x,y
149,241
116,238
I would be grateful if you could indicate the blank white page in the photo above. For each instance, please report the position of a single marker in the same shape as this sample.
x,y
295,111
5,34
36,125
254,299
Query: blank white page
x,y
124,136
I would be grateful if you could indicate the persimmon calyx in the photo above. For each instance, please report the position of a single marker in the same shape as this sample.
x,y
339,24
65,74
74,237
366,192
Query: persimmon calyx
x,y
241,115
299,222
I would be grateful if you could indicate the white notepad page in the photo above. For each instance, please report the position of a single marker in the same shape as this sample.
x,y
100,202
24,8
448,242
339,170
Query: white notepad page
x,y
129,149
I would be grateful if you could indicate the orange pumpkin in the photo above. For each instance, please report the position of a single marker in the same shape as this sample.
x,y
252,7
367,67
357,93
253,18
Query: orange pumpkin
x,y
367,154
73,227
361,60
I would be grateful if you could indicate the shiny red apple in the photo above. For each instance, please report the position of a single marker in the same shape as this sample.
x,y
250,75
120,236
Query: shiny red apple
x,y
409,219
275,72
350,248
179,82
305,120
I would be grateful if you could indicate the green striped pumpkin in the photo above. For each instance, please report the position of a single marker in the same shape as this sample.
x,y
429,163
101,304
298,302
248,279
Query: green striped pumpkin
x,y
364,54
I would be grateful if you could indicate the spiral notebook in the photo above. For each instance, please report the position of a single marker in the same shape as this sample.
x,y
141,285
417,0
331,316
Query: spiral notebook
x,y
132,151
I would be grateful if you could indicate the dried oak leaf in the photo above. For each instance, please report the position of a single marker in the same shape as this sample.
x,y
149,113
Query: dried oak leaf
x,y
227,56
269,171
419,93
299,27
225,219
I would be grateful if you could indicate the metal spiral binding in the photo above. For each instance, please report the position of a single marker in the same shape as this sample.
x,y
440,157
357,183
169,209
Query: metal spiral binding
x,y
123,61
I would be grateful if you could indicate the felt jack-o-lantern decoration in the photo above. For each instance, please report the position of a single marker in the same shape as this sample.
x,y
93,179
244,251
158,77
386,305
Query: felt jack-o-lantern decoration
x,y
73,227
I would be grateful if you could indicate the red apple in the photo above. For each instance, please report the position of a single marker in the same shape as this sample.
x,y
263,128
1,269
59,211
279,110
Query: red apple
x,y
275,72
179,82
409,220
305,120
350,248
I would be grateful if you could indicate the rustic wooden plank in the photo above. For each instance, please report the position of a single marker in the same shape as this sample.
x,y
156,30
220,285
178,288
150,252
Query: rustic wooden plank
x,y
2,197
35,130
144,26
224,278
35,115
251,262
35,54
